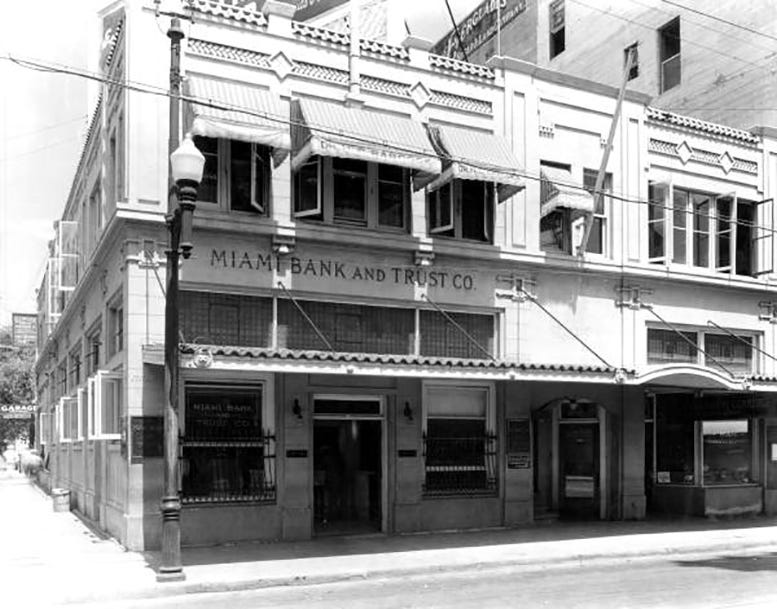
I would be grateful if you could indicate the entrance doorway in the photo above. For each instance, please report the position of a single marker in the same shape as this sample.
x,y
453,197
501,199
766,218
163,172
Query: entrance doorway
x,y
579,470
347,468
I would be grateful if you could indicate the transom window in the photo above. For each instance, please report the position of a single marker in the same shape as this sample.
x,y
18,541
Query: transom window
x,y
361,193
462,209
236,175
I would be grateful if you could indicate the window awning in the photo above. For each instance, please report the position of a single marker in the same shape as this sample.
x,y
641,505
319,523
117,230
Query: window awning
x,y
472,155
266,124
328,129
557,189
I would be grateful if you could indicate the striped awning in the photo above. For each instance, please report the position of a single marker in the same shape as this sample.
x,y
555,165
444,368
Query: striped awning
x,y
557,189
329,129
266,121
473,155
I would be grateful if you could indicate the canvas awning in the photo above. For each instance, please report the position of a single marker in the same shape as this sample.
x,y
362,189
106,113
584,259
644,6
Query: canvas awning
x,y
266,123
557,189
329,129
473,155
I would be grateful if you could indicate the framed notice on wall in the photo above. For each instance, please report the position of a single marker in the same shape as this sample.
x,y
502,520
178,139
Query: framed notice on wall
x,y
518,444
146,438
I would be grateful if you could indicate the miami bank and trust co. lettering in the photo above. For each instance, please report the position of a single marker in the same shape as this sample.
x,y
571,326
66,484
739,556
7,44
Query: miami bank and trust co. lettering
x,y
322,268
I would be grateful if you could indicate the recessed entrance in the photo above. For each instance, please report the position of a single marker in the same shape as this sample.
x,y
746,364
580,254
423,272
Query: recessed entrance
x,y
579,470
347,466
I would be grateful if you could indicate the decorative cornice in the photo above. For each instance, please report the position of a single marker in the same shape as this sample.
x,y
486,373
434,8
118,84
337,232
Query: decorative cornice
x,y
695,124
228,53
448,64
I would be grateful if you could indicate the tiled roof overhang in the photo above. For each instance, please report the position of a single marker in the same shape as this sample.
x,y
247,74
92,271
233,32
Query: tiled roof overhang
x,y
688,122
371,364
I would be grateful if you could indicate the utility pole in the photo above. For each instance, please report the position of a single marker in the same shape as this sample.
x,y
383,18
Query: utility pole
x,y
171,568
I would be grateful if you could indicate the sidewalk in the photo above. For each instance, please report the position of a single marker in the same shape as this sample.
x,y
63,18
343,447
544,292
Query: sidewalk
x,y
51,558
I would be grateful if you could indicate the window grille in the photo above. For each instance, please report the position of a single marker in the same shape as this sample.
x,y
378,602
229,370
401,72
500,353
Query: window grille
x,y
441,338
459,461
226,319
351,328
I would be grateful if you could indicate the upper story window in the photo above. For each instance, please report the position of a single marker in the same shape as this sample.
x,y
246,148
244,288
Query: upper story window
x,y
236,175
93,347
373,195
632,50
75,367
732,353
669,55
115,326
565,206
704,230
557,33
462,209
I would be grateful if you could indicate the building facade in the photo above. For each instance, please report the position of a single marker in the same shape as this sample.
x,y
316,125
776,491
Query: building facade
x,y
711,60
387,324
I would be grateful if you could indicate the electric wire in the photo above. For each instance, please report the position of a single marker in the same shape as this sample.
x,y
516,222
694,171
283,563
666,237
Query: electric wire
x,y
721,20
286,120
653,29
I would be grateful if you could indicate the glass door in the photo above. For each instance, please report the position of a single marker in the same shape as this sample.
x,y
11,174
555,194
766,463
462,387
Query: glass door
x,y
579,469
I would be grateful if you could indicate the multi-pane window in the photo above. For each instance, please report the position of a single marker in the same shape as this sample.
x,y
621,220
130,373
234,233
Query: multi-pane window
x,y
597,239
93,344
459,441
462,209
556,32
733,354
69,422
362,193
115,326
75,367
669,55
228,451
236,175
710,231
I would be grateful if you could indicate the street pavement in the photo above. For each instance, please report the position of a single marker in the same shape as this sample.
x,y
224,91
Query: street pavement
x,y
50,558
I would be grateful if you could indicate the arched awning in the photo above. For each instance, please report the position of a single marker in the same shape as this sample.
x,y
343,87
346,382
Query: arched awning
x,y
689,376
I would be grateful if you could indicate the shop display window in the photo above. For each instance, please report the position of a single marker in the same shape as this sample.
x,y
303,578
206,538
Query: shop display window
x,y
227,456
727,450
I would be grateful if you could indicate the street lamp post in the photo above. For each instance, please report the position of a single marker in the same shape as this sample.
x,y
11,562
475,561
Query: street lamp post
x,y
186,164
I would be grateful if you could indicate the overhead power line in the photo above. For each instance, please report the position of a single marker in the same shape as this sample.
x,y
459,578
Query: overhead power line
x,y
721,20
286,120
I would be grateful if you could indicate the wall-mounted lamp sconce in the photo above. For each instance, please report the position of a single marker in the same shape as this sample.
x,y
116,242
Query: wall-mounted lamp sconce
x,y
408,412
297,409
283,245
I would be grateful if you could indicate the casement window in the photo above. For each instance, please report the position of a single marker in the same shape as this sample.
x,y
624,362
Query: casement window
x,y
70,423
115,326
62,388
94,217
228,446
632,50
598,237
462,209
460,451
669,55
556,31
44,435
719,350
236,176
93,347
104,398
720,232
75,367
357,193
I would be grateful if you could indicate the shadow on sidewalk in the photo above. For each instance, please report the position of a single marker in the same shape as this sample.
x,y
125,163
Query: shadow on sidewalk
x,y
384,544
749,563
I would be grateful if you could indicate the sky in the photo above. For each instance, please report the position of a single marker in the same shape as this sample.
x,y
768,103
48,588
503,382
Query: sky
x,y
44,119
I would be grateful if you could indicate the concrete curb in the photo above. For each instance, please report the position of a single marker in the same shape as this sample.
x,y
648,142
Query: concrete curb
x,y
528,561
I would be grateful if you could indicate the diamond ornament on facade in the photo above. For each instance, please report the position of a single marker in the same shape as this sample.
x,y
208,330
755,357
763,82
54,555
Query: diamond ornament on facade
x,y
726,162
420,94
281,65
684,151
